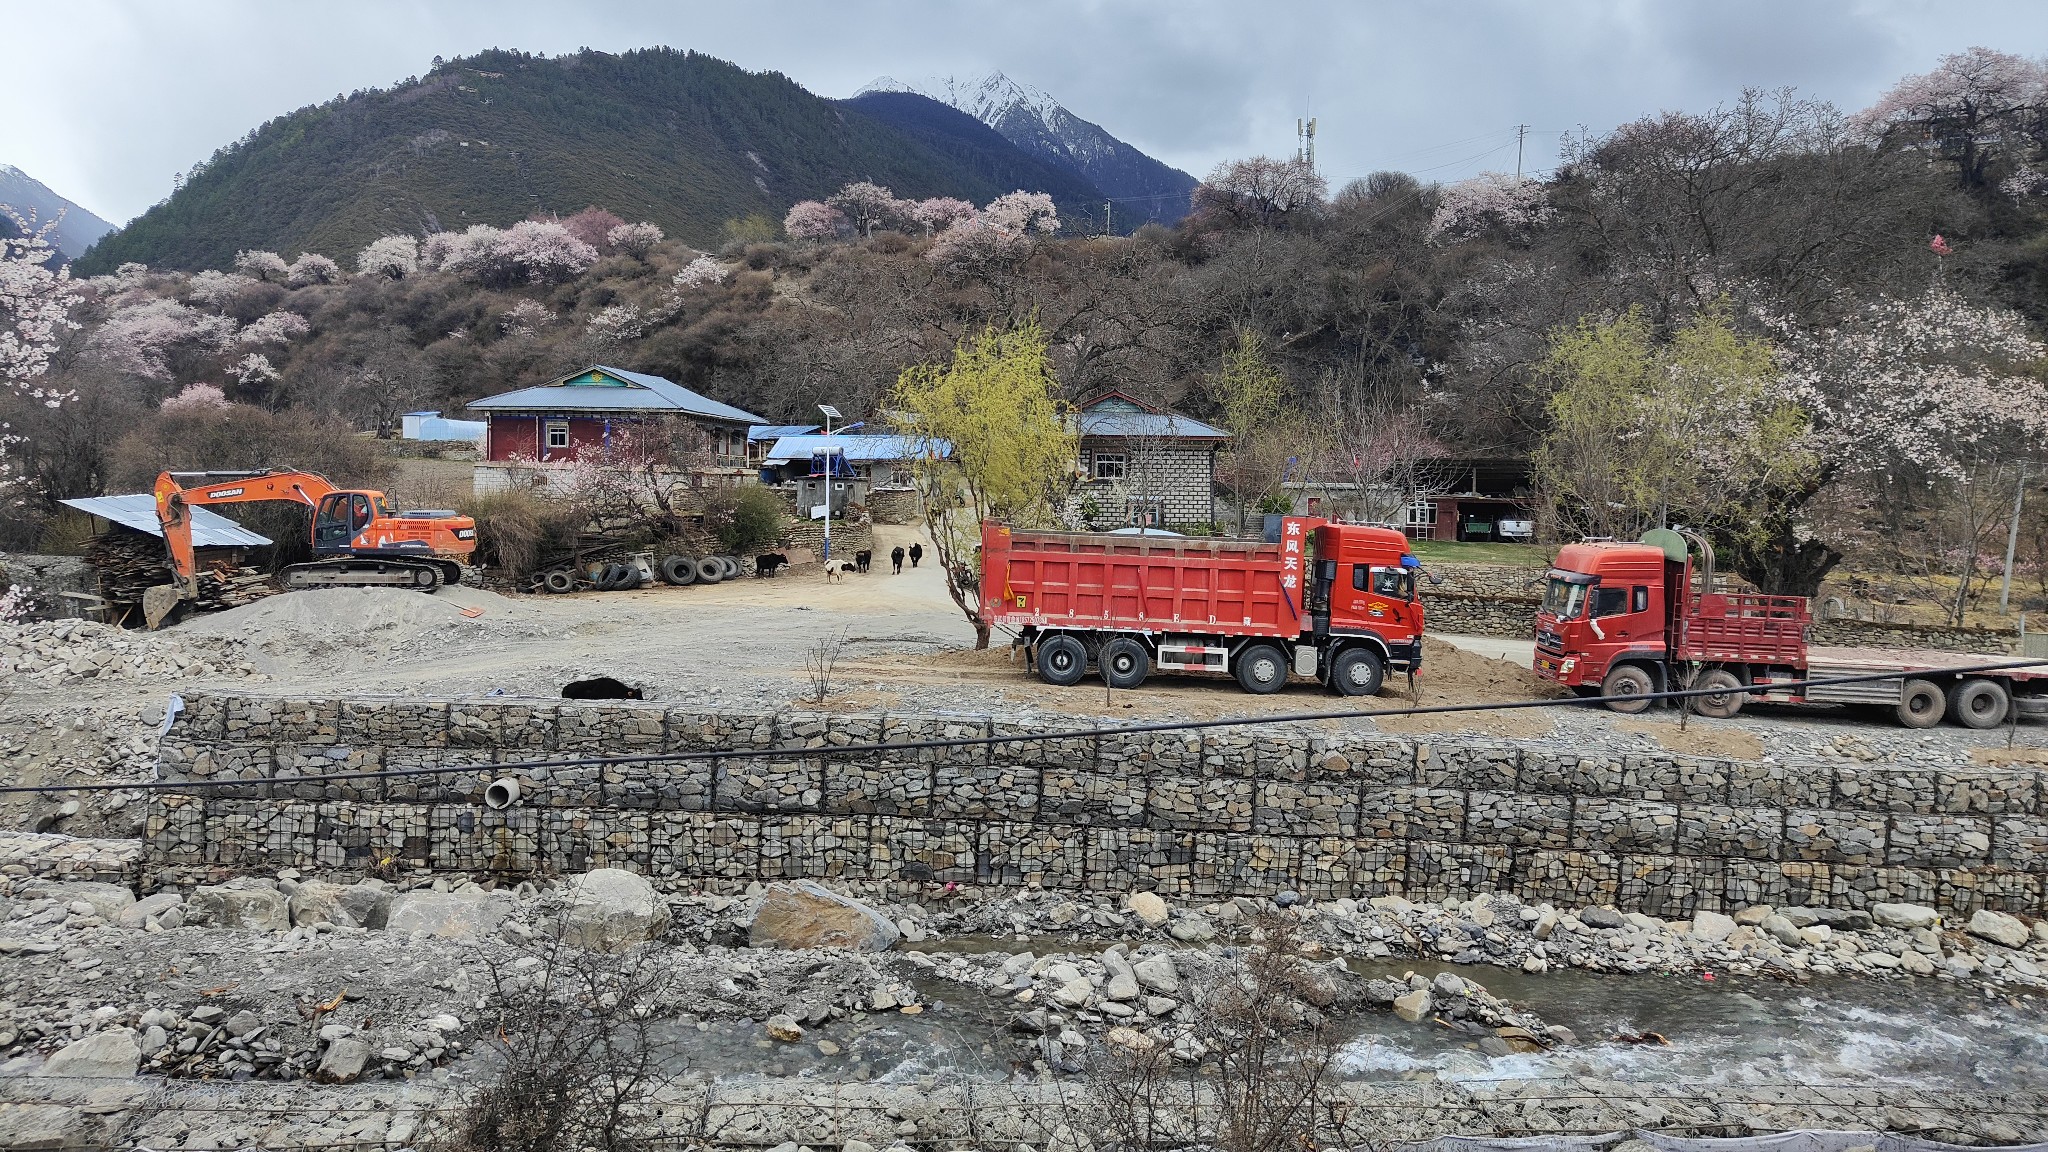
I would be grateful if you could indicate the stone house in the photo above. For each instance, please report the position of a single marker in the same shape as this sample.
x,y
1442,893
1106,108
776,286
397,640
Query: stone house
x,y
1143,465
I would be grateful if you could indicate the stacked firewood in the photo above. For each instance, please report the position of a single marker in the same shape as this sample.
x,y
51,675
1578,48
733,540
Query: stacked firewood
x,y
129,563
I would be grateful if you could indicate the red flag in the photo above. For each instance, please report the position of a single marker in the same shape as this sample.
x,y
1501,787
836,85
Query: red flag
x,y
1940,246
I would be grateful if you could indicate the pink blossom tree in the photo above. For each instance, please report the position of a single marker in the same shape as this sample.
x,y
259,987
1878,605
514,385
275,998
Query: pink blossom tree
x,y
278,328
814,221
312,268
1491,201
699,273
635,240
1987,101
437,248
216,289
593,226
525,318
1024,212
1000,234
939,213
262,265
140,339
392,257
254,370
35,309
195,398
868,205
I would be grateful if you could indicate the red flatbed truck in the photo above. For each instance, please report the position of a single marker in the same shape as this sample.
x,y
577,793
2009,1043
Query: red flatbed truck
x,y
1333,602
1626,619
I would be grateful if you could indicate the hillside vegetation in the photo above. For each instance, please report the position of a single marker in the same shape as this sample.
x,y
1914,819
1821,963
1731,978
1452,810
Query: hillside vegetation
x,y
686,141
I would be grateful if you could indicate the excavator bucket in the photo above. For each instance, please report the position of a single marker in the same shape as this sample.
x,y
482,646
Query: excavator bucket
x,y
158,602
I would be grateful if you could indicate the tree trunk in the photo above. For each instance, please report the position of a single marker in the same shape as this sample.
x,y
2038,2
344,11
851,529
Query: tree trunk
x,y
1772,557
980,635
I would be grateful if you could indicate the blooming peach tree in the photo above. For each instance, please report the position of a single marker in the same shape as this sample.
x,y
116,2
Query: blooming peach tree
x,y
35,309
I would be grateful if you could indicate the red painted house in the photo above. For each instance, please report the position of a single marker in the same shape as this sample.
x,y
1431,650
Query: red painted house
x,y
552,423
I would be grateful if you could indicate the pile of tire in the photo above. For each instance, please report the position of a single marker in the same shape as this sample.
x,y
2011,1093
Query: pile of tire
x,y
683,571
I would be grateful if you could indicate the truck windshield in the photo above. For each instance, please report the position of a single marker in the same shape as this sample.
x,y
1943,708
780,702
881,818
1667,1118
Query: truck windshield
x,y
1564,599
1397,583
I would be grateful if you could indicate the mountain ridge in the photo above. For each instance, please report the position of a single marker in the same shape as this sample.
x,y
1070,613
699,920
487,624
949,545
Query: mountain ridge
x,y
76,232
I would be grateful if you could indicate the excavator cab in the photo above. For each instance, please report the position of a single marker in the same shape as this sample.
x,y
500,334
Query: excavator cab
x,y
340,518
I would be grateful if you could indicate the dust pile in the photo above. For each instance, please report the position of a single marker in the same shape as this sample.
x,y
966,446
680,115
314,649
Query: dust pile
x,y
352,628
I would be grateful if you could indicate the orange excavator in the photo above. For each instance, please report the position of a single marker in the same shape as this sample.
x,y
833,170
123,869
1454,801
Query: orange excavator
x,y
358,540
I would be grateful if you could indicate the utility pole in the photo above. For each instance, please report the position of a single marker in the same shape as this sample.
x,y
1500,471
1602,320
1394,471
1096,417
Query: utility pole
x,y
1521,130
2012,540
1105,218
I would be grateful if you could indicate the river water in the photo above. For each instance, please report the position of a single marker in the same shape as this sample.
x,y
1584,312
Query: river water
x,y
1730,1030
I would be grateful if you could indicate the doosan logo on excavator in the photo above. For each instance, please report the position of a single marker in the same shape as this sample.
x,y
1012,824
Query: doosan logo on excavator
x,y
224,493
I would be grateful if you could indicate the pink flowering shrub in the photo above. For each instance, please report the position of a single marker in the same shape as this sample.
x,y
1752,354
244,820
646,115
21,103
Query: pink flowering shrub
x,y
312,268
812,220
635,240
392,257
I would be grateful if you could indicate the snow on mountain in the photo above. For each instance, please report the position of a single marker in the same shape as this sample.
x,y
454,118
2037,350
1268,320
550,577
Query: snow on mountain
x,y
1034,121
24,193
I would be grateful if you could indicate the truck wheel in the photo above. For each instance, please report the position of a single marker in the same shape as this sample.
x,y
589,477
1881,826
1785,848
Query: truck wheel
x,y
1727,699
1921,704
1062,660
559,581
1978,703
1357,672
678,571
1261,669
710,570
1628,680
1124,663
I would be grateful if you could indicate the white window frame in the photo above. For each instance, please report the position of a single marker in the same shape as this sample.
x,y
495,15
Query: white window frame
x,y
1120,462
548,434
1422,514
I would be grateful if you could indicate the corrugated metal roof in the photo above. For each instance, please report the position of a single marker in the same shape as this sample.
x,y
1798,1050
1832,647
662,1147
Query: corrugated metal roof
x,y
1125,423
778,431
855,449
138,511
636,392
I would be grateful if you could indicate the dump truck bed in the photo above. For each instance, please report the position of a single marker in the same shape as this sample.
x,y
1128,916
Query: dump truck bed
x,y
1139,583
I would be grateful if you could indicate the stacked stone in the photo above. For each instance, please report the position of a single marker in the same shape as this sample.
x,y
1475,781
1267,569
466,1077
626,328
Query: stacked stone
x,y
740,795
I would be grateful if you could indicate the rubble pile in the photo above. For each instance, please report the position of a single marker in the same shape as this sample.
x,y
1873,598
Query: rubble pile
x,y
65,652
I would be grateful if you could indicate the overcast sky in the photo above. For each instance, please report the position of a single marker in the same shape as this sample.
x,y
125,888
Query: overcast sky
x,y
104,100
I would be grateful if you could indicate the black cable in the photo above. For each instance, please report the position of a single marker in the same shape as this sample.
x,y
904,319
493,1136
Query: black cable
x,y
1011,738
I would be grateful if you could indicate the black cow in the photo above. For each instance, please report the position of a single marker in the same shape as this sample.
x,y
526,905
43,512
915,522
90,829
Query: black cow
x,y
896,558
767,562
862,559
916,554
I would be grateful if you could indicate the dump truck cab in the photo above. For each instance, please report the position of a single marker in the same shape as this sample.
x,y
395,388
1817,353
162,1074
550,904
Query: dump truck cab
x,y
1364,588
1606,604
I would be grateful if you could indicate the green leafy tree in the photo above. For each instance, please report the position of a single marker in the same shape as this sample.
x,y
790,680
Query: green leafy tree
x,y
1013,448
1647,433
1249,391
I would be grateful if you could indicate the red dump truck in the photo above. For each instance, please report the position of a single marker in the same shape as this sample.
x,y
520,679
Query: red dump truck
x,y
1628,619
1335,602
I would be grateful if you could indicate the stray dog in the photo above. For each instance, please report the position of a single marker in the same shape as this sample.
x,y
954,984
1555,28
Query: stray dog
x,y
896,558
599,688
862,559
767,562
831,573
916,554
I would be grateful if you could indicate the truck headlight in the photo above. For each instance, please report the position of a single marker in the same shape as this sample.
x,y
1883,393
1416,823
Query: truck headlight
x,y
1565,668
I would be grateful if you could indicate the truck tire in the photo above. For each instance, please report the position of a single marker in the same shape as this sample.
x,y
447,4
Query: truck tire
x,y
1979,703
1261,669
1628,680
710,570
1357,672
1062,660
732,567
629,578
559,581
1123,663
1728,699
1921,704
678,571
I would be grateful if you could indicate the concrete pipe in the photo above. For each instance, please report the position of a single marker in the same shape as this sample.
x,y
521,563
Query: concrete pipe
x,y
502,792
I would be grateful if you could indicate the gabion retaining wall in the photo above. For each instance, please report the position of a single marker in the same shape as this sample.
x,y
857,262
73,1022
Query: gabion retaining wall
x,y
1326,811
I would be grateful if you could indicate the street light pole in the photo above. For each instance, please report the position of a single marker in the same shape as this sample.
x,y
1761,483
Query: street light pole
x,y
831,413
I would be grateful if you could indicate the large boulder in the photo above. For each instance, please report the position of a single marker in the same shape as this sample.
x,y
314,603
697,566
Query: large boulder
x,y
344,1060
1904,915
244,902
464,915
608,910
364,905
150,907
1149,908
1999,928
114,1052
800,914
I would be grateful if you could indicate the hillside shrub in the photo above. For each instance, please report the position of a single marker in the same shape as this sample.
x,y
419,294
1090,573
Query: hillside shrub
x,y
743,519
516,530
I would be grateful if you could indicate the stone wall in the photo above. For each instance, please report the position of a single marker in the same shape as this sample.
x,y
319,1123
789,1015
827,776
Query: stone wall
x,y
1466,614
895,505
1199,814
1846,633
846,538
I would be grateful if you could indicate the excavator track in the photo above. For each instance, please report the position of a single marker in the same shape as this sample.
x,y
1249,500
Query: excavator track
x,y
424,575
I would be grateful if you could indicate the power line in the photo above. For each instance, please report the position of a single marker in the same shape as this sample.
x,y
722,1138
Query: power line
x,y
1007,738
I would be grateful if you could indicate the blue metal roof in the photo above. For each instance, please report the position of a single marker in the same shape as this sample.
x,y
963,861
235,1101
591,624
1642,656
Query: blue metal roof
x,y
138,511
856,449
1119,423
601,388
778,431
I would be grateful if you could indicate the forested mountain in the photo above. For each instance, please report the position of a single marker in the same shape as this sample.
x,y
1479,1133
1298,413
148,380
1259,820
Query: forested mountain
x,y
1034,121
677,138
77,229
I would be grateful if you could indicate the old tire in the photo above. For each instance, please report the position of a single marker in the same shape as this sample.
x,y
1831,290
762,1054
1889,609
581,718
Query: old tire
x,y
630,578
1728,696
732,567
1124,663
1979,703
678,571
1261,669
710,570
1921,704
1628,680
1062,660
1357,672
559,581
